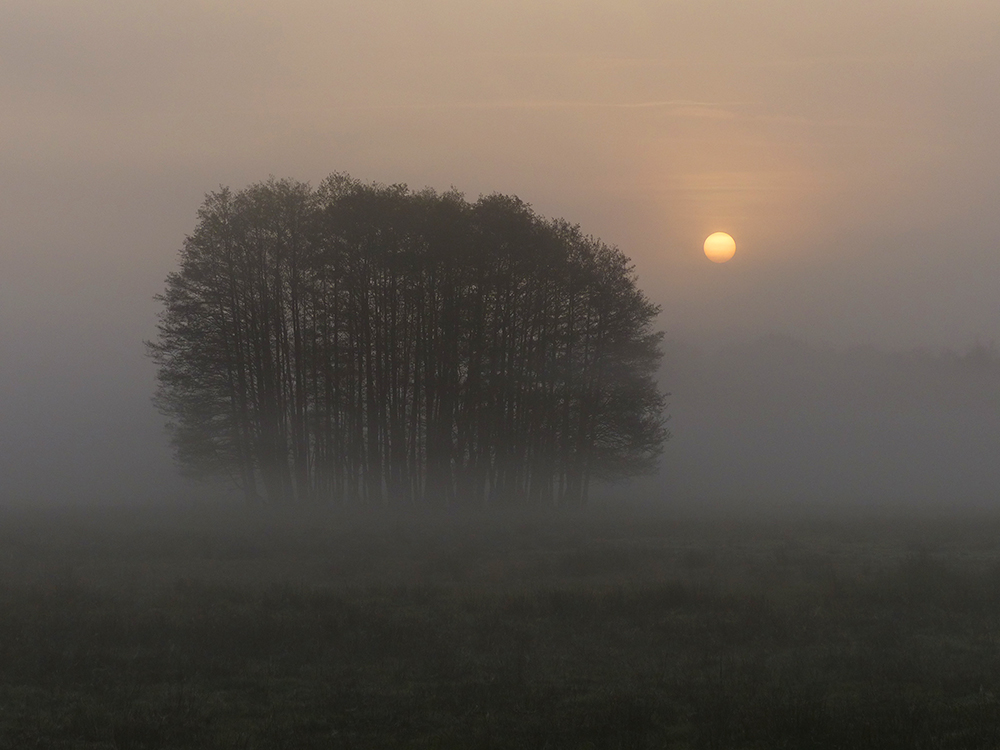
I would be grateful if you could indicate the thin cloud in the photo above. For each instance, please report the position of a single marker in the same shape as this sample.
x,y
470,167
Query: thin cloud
x,y
681,107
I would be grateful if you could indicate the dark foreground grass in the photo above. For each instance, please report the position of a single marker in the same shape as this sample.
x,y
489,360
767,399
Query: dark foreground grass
x,y
149,631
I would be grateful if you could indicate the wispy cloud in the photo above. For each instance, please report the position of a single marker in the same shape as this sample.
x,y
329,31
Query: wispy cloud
x,y
678,107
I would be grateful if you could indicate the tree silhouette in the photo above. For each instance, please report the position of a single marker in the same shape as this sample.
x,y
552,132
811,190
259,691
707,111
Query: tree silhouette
x,y
368,344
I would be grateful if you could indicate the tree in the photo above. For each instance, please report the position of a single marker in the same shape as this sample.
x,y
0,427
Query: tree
x,y
369,344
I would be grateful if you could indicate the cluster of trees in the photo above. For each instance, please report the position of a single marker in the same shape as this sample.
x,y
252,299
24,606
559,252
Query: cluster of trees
x,y
369,344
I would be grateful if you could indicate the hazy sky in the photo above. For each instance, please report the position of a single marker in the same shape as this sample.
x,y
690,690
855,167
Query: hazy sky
x,y
850,148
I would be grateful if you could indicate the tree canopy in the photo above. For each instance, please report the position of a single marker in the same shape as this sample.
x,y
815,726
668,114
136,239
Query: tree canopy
x,y
368,344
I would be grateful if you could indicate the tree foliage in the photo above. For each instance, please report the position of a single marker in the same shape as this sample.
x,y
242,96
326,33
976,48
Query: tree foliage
x,y
368,344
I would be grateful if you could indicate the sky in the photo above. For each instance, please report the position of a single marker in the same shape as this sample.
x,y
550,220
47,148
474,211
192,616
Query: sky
x,y
849,147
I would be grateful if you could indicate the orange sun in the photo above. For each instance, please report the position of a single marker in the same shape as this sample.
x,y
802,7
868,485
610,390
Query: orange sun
x,y
720,247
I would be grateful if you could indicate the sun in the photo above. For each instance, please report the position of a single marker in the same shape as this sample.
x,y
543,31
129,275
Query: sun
x,y
720,247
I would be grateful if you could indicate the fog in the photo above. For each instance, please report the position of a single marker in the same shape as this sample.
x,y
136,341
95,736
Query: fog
x,y
777,423
849,148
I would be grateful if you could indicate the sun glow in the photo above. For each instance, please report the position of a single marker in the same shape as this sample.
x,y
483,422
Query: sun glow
x,y
720,247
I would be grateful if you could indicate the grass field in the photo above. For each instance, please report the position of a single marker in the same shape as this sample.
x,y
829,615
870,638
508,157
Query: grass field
x,y
154,629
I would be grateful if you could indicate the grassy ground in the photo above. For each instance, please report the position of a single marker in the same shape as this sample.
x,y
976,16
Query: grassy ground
x,y
155,630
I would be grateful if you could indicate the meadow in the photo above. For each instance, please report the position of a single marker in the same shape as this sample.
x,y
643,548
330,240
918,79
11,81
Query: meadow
x,y
131,629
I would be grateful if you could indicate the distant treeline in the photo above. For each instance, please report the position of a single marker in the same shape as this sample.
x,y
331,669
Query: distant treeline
x,y
777,420
369,344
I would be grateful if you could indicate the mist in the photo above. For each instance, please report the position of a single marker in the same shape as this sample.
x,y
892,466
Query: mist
x,y
814,560
777,423
849,149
